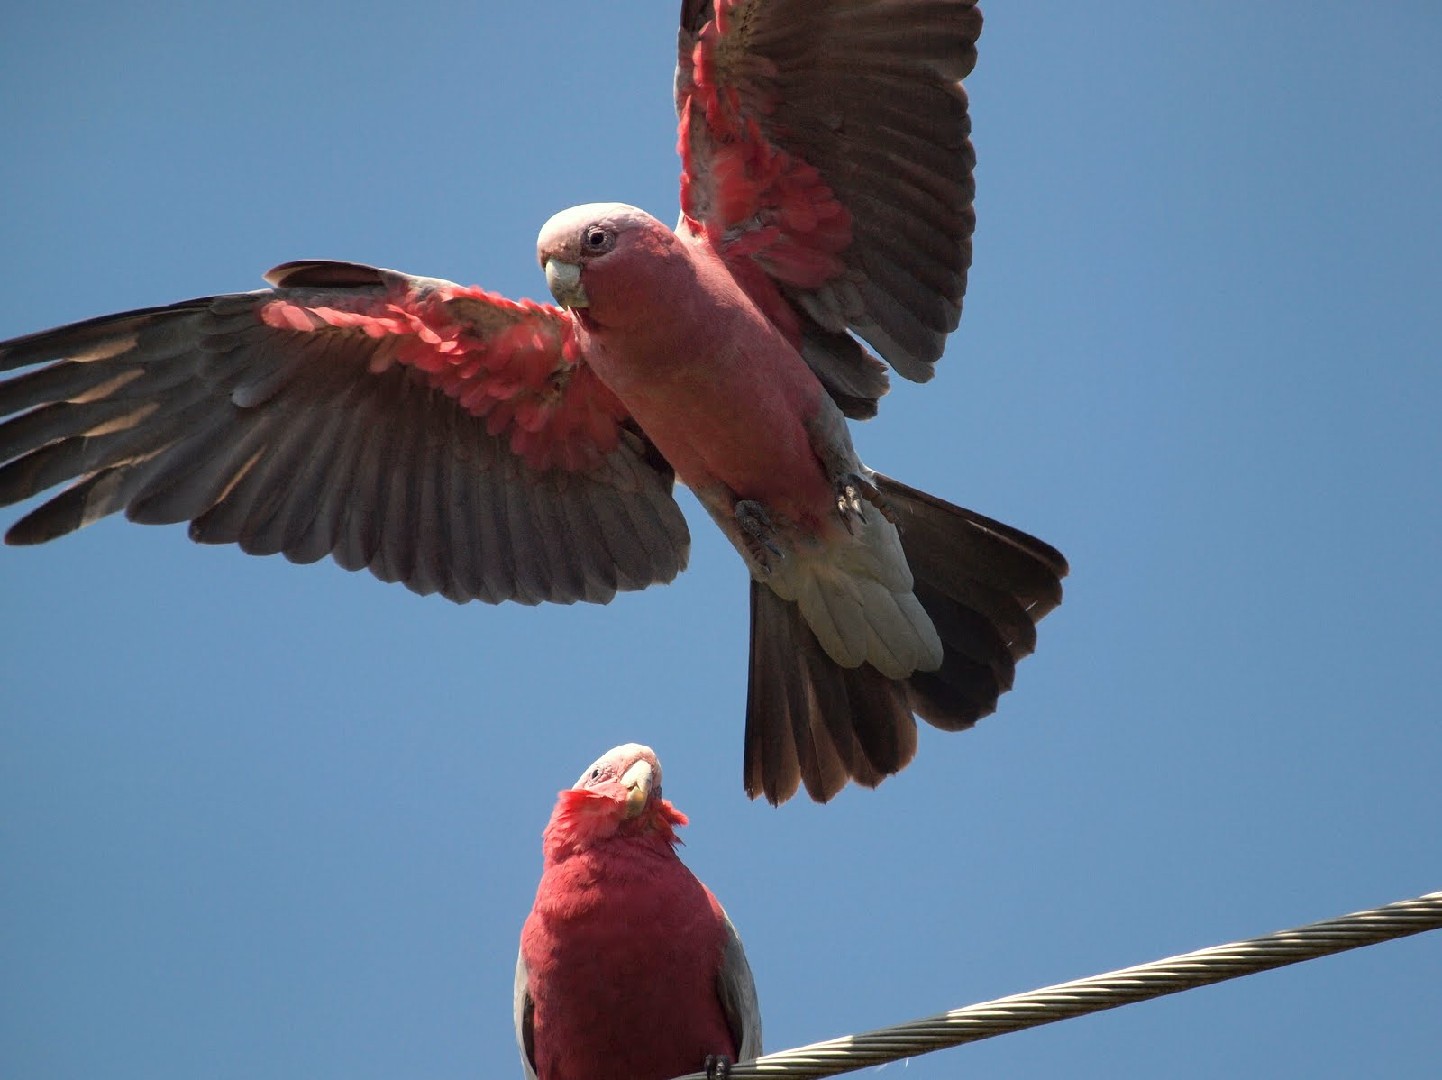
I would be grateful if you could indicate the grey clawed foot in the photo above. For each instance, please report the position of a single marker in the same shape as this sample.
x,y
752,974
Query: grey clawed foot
x,y
757,532
718,1067
848,502
852,490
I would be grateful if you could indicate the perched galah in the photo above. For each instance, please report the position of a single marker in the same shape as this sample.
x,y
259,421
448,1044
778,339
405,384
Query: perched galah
x,y
466,444
629,969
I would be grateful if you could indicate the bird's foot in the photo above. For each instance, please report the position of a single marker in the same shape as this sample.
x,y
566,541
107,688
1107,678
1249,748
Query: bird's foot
x,y
757,532
718,1067
852,490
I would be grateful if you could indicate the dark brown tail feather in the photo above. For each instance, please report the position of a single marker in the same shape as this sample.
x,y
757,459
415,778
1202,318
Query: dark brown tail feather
x,y
810,721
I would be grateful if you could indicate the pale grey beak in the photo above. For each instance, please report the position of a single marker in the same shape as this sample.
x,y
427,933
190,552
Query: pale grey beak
x,y
564,281
638,780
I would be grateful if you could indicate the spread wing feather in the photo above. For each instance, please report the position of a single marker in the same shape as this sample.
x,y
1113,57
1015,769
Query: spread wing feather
x,y
828,143
438,436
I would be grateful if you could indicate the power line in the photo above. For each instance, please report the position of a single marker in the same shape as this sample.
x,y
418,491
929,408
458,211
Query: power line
x,y
1097,993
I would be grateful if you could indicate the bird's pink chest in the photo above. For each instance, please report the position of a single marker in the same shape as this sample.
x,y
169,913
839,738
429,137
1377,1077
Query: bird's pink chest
x,y
623,963
727,402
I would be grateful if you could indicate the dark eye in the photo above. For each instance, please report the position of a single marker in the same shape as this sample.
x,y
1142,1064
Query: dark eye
x,y
596,240
595,774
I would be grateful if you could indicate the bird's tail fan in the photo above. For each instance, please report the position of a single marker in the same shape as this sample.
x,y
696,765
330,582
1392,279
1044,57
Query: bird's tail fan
x,y
811,721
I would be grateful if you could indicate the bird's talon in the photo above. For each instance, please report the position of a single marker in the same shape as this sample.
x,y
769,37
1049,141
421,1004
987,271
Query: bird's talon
x,y
869,492
718,1067
757,532
850,491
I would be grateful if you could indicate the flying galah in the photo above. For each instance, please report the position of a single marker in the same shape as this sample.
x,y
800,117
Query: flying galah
x,y
629,969
488,449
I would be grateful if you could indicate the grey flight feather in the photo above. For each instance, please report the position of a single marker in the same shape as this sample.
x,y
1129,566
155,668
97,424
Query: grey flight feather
x,y
310,444
868,93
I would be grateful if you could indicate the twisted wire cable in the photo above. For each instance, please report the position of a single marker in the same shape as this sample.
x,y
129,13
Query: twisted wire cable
x,y
1097,992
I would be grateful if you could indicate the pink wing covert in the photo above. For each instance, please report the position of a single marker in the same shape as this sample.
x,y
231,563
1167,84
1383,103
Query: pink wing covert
x,y
514,363
436,435
826,145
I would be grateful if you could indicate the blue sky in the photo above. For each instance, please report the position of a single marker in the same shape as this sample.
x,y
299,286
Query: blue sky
x,y
267,820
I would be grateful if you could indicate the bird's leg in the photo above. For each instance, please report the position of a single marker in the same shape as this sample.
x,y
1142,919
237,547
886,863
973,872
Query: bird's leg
x,y
858,485
718,1067
852,491
757,532
831,442
848,500
761,541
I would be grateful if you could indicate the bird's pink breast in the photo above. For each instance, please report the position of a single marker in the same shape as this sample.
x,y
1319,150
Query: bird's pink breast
x,y
721,392
623,951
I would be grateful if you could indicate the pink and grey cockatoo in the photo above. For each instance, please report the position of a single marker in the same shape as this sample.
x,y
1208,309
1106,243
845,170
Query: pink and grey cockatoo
x,y
487,449
629,969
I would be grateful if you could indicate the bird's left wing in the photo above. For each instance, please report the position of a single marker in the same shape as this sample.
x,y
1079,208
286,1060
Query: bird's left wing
x,y
825,153
440,436
737,990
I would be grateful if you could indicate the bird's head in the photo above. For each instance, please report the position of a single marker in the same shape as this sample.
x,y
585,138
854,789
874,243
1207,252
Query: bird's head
x,y
619,794
601,258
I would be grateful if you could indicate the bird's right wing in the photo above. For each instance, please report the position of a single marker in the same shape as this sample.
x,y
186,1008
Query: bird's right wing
x,y
524,1010
440,436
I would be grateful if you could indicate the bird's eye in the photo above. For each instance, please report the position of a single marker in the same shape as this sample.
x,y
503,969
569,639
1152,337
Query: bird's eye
x,y
595,774
596,240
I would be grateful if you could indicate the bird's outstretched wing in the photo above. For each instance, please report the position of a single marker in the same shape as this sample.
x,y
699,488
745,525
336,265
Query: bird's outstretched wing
x,y
827,146
439,436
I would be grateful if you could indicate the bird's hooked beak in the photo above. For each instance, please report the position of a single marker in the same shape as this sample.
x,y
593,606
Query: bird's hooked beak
x,y
637,780
564,280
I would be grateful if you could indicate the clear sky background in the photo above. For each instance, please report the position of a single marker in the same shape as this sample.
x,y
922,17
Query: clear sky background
x,y
260,820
